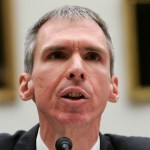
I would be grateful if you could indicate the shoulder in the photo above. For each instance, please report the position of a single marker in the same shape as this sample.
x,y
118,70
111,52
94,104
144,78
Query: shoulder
x,y
129,142
8,141
21,140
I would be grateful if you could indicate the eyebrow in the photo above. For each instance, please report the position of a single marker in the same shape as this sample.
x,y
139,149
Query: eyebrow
x,y
62,47
55,48
94,48
48,49
97,48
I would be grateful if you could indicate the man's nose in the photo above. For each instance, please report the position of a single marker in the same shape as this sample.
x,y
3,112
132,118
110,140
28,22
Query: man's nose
x,y
76,70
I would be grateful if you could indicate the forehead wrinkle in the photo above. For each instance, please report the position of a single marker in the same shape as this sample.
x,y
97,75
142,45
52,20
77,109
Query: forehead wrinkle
x,y
74,42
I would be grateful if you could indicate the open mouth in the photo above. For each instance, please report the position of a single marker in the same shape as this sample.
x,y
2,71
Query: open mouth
x,y
74,96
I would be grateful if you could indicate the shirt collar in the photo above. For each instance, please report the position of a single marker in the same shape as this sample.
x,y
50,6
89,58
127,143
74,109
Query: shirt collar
x,y
40,145
97,144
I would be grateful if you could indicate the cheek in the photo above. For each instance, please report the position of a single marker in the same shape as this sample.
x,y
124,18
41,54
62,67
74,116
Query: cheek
x,y
47,77
100,82
45,83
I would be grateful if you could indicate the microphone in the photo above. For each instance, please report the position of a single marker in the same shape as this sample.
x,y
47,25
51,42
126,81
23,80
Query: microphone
x,y
63,143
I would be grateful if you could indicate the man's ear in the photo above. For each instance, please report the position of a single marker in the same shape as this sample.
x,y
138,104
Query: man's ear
x,y
114,92
26,89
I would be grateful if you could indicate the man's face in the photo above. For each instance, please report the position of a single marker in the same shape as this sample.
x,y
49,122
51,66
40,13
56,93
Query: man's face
x,y
71,73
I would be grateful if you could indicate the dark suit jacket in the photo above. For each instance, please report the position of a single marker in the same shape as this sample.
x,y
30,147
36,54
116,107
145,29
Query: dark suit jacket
x,y
22,140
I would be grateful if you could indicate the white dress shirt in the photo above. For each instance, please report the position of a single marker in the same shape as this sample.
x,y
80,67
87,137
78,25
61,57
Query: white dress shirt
x,y
41,146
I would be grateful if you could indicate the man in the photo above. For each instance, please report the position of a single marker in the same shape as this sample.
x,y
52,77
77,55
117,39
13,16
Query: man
x,y
69,75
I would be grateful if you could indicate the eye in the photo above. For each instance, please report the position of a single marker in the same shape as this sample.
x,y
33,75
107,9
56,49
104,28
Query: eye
x,y
57,55
93,56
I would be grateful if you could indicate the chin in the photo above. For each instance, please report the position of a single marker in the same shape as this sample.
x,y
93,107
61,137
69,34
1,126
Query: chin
x,y
74,120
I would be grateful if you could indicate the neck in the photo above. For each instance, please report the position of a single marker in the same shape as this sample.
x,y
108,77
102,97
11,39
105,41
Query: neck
x,y
82,137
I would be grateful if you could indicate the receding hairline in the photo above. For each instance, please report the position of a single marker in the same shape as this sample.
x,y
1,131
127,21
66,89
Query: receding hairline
x,y
68,12
67,20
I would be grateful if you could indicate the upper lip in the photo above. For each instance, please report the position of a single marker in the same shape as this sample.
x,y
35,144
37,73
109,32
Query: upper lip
x,y
74,92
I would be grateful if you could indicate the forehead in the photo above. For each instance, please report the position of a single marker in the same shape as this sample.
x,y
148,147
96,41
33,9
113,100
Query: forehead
x,y
80,31
72,23
66,25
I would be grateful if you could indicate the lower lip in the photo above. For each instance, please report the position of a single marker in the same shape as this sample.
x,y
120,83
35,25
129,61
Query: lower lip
x,y
74,102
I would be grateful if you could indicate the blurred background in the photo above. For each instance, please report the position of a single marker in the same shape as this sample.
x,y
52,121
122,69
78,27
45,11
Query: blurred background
x,y
126,117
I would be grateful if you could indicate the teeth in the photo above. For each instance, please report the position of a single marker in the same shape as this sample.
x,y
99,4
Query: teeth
x,y
74,94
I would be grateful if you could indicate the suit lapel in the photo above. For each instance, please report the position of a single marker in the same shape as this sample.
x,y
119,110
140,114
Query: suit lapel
x,y
28,140
105,143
